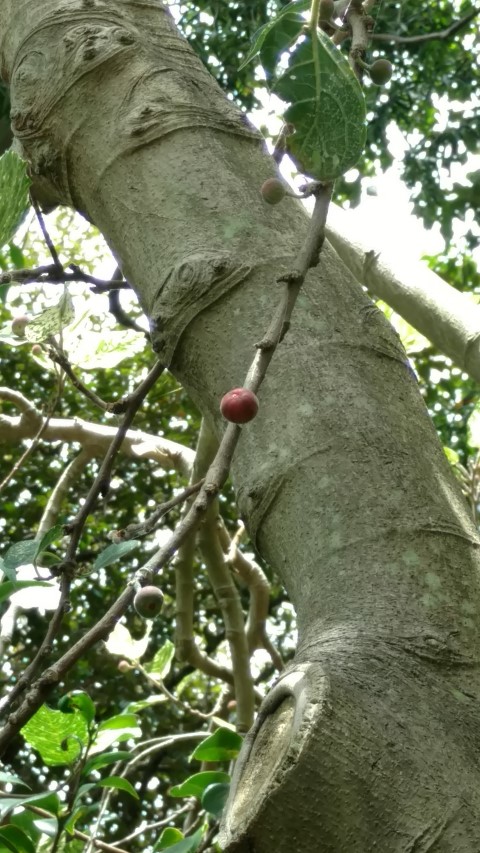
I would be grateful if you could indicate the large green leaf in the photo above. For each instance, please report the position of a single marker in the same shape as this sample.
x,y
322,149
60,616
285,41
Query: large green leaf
x,y
223,745
49,729
14,202
15,839
327,109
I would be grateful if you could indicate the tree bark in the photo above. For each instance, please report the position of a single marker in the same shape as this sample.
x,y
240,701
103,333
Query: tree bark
x,y
371,739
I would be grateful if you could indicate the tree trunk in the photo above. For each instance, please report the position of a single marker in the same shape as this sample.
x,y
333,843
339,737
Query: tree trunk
x,y
371,739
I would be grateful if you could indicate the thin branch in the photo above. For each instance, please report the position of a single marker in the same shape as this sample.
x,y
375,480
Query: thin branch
x,y
58,356
134,531
46,236
420,39
52,274
102,480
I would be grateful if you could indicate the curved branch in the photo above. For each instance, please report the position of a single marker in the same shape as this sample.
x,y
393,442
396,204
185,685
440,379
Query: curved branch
x,y
420,39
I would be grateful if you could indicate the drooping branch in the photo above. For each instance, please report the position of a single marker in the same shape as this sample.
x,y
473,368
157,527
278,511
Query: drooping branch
x,y
446,317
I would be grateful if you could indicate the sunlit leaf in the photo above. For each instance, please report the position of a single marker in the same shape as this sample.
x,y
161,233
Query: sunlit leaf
x,y
48,729
121,642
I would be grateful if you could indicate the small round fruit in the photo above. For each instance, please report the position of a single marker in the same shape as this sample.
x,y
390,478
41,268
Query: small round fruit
x,y
239,406
148,602
381,71
37,349
124,666
272,191
326,10
19,324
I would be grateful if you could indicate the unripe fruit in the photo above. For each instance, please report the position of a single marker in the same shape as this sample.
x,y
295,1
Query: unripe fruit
x,y
326,10
148,602
239,406
19,324
272,191
381,71
37,349
124,666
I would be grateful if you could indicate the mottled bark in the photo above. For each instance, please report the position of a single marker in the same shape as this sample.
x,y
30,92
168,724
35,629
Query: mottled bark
x,y
371,740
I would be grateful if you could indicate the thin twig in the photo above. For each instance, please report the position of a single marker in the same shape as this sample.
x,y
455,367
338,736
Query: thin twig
x,y
102,479
420,39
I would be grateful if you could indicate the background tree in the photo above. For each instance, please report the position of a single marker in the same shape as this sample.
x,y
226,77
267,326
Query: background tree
x,y
210,356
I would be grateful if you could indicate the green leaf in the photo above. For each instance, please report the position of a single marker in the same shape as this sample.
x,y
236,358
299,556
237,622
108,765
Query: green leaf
x,y
50,802
119,784
292,12
170,835
21,554
51,321
14,200
215,797
222,745
120,721
160,665
25,820
149,702
186,845
81,700
327,109
49,537
104,760
11,778
195,785
47,729
114,552
115,730
19,841
78,814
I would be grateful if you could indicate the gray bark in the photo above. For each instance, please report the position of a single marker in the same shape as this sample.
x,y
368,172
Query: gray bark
x,y
371,740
